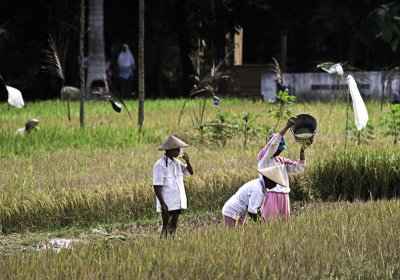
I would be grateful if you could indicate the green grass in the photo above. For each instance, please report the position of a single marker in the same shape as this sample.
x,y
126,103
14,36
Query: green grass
x,y
62,175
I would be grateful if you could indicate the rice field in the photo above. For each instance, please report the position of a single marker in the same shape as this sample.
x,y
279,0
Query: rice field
x,y
322,241
62,178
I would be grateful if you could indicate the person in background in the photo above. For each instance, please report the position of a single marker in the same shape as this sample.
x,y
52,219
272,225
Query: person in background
x,y
250,196
30,125
107,68
168,184
276,201
126,66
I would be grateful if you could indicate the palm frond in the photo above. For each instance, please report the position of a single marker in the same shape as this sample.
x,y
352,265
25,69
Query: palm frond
x,y
54,57
5,40
3,88
357,73
207,82
277,70
393,74
111,95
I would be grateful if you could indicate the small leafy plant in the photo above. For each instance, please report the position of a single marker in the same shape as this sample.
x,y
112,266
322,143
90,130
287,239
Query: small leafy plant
x,y
363,136
392,122
221,129
283,108
247,125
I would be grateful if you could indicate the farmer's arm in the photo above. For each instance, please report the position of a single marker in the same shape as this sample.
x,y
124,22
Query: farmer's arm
x,y
157,190
272,146
158,181
269,150
255,200
253,216
289,123
188,165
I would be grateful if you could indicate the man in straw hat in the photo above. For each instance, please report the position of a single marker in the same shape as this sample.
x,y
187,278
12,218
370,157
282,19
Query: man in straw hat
x,y
249,197
276,200
168,183
30,125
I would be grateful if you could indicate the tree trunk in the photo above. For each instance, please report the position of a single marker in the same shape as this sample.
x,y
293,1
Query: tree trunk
x,y
184,45
96,60
81,66
141,65
283,50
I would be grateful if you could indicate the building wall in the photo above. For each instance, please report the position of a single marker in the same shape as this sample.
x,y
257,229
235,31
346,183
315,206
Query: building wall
x,y
246,81
324,86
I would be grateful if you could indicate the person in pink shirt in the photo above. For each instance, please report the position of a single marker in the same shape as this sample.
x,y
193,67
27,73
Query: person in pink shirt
x,y
276,201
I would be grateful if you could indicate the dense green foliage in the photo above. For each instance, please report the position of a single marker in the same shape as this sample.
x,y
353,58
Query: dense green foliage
x,y
363,33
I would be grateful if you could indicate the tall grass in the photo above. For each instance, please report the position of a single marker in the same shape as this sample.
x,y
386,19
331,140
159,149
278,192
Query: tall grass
x,y
62,175
49,210
329,241
358,175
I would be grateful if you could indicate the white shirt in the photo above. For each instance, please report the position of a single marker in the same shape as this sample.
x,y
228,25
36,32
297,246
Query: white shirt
x,y
20,131
287,167
169,174
248,198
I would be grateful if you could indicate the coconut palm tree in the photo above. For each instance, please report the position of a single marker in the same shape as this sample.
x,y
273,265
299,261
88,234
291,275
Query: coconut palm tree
x,y
81,66
96,60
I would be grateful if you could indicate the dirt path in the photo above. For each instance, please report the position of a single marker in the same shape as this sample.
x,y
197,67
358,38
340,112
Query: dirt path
x,y
18,242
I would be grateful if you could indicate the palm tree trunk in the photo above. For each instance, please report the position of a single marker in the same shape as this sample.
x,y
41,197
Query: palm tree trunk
x,y
96,59
81,66
141,65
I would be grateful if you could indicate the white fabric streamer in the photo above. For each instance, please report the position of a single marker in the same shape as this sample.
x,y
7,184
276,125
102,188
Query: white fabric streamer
x,y
335,68
360,111
15,97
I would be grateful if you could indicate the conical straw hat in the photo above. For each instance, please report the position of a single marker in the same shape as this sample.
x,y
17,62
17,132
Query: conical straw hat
x,y
172,143
274,174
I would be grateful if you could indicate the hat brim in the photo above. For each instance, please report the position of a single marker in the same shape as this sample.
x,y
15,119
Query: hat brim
x,y
172,143
282,147
273,173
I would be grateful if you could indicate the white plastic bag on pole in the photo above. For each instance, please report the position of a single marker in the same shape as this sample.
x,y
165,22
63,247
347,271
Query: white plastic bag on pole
x,y
360,111
15,97
335,68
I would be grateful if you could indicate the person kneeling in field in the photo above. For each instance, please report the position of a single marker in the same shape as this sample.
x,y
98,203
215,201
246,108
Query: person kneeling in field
x,y
249,197
276,200
168,183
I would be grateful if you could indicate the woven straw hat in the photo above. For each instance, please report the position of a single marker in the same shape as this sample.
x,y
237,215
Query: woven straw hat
x,y
274,174
172,143
32,123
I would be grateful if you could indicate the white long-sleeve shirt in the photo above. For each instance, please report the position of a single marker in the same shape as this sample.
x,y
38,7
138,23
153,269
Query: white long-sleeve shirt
x,y
266,159
248,198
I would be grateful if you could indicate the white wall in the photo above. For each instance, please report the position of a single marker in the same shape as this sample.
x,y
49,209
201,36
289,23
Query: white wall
x,y
323,86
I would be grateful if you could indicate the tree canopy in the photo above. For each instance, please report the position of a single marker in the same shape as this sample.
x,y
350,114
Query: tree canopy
x,y
363,33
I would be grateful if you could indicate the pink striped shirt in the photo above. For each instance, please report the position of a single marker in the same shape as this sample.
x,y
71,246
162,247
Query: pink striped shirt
x,y
288,167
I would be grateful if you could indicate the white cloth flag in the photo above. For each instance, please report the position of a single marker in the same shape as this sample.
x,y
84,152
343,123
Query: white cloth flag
x,y
335,68
15,97
360,111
